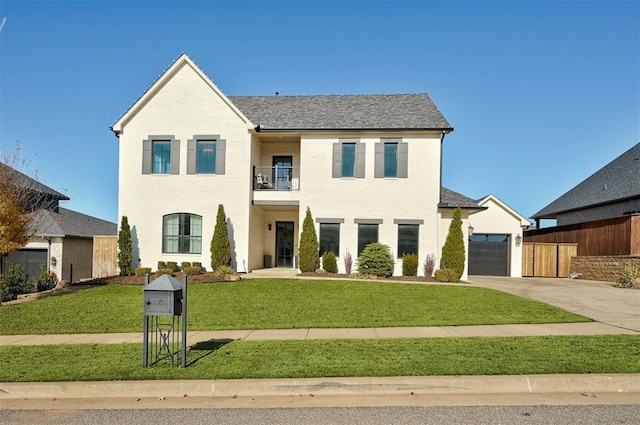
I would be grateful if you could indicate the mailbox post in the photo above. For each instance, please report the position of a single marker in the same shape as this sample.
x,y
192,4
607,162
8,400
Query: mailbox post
x,y
165,296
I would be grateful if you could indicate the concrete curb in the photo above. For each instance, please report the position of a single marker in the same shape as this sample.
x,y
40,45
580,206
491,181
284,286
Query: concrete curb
x,y
434,385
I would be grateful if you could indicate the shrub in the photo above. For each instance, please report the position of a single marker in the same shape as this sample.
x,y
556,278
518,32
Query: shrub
x,y
224,270
14,282
446,275
220,245
173,266
162,265
184,265
167,270
429,265
44,280
190,270
410,265
629,278
125,248
329,262
348,262
376,259
453,253
141,271
196,264
321,271
309,247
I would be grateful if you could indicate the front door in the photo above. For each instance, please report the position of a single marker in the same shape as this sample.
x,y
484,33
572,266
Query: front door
x,y
282,172
284,243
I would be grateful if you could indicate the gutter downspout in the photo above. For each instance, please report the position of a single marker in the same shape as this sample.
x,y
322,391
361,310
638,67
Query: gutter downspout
x,y
441,155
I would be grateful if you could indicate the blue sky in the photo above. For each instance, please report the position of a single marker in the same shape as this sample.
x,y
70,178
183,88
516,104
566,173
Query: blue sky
x,y
541,93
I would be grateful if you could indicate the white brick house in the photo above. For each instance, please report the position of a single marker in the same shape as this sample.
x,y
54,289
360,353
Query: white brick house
x,y
367,166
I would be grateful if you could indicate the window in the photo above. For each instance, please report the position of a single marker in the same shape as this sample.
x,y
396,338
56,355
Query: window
x,y
407,239
182,233
206,155
348,159
330,238
391,158
160,155
367,233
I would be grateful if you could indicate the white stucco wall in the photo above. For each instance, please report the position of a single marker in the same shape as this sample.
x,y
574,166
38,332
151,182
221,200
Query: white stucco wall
x,y
386,199
185,106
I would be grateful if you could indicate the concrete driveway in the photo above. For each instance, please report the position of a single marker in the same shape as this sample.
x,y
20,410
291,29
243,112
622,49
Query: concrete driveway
x,y
597,300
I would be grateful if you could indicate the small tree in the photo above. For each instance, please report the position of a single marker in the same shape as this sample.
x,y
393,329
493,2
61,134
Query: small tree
x,y
376,259
19,201
309,247
453,252
125,248
220,246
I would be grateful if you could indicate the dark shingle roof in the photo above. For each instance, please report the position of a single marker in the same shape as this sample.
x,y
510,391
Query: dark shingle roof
x,y
616,181
452,199
342,112
33,185
68,223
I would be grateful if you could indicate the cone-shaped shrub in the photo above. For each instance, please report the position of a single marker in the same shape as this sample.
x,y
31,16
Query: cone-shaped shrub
x,y
220,247
309,247
453,252
376,259
410,265
125,248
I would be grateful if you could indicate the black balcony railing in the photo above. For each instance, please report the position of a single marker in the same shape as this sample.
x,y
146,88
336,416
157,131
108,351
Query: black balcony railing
x,y
278,178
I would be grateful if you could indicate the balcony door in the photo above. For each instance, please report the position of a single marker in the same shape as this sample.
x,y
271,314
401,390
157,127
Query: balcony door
x,y
282,172
284,243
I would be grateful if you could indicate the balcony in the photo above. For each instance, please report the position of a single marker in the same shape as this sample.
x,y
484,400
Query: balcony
x,y
277,178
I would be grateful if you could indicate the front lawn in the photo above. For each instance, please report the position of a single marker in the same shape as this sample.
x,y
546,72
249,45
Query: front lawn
x,y
281,304
331,358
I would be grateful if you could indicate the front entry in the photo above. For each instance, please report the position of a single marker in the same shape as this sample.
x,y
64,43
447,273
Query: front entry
x,y
284,243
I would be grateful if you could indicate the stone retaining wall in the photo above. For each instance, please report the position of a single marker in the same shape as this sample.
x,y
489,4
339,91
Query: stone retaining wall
x,y
602,268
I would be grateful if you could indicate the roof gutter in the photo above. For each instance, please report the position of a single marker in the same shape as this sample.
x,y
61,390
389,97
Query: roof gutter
x,y
261,129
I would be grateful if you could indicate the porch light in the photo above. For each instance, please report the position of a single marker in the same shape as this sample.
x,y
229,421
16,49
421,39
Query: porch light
x,y
54,261
518,239
470,230
269,226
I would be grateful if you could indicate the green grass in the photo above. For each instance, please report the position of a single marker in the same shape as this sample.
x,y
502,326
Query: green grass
x,y
282,304
331,358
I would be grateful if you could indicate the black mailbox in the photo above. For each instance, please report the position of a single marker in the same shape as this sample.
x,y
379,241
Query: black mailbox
x,y
163,297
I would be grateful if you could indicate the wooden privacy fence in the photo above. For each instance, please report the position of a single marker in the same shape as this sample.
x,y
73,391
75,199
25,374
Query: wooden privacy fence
x,y
547,259
105,256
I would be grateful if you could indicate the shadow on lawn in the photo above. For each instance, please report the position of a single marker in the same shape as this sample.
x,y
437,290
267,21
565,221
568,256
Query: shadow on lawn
x,y
200,350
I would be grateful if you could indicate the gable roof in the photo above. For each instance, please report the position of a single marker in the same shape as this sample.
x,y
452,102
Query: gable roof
x,y
68,223
182,61
318,112
524,222
343,112
617,181
450,199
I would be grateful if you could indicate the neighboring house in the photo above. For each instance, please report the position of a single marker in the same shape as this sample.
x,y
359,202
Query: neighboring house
x,y
367,166
612,191
495,242
63,239
601,214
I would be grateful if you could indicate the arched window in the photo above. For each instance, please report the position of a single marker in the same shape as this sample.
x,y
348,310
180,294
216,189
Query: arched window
x,y
182,233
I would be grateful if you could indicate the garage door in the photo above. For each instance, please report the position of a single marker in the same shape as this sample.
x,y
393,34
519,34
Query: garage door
x,y
489,255
29,259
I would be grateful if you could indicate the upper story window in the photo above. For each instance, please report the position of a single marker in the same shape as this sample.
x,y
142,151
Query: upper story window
x,y
391,158
206,155
182,233
160,155
348,159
